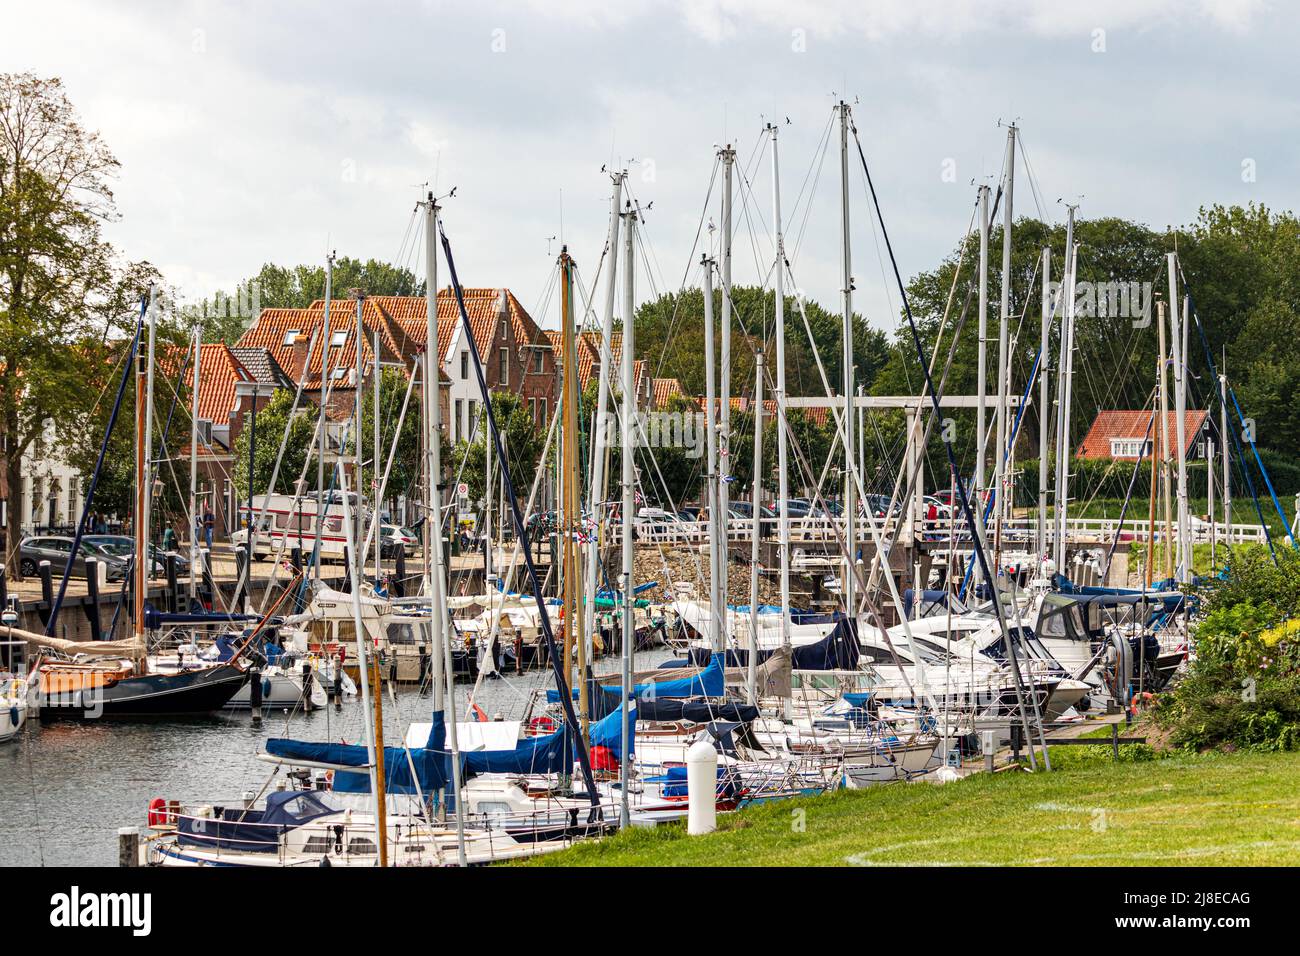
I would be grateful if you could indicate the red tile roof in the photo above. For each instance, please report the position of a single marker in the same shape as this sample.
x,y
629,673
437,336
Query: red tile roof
x,y
1116,423
219,373
662,389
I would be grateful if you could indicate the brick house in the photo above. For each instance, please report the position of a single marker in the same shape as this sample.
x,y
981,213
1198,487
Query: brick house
x,y
1120,434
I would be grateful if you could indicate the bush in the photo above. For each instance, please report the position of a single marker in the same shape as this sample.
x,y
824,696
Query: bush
x,y
1242,690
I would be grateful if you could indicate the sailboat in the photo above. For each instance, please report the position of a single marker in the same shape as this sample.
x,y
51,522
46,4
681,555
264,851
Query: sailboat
x,y
98,679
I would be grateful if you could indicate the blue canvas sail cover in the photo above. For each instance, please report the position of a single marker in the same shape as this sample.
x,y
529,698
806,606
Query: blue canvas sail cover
x,y
430,762
553,753
837,651
709,682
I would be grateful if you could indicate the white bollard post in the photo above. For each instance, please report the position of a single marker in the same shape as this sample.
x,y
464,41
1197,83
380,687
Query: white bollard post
x,y
702,788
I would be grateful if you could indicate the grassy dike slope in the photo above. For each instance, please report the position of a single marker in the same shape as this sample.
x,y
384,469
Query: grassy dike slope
x,y
1239,809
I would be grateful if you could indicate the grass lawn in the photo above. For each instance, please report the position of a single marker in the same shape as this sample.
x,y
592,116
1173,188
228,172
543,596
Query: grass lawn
x,y
1239,809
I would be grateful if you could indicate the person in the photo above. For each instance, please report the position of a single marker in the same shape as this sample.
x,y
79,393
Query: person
x,y
169,539
209,522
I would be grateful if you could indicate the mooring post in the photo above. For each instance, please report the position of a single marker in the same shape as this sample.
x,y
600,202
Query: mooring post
x,y
47,591
243,568
170,561
701,788
307,678
128,846
92,598
255,693
989,748
1114,740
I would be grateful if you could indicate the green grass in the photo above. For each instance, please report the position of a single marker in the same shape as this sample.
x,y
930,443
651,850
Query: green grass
x,y
1180,810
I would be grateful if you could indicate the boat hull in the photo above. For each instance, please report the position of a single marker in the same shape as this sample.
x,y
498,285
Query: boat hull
x,y
198,691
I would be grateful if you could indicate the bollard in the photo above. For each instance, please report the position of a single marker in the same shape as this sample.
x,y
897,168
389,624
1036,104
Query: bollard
x,y
243,568
170,562
128,846
399,572
989,750
47,591
306,688
91,606
338,681
702,788
255,693
4,586
295,558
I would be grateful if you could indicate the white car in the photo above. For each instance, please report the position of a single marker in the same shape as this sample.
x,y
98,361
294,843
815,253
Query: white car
x,y
394,536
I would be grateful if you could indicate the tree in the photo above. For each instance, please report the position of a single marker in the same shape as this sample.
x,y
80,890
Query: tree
x,y
406,467
227,315
523,441
64,298
271,421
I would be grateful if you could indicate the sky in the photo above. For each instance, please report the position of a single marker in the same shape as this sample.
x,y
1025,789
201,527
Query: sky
x,y
276,132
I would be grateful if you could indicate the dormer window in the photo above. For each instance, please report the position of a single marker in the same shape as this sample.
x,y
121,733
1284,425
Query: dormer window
x,y
338,373
339,339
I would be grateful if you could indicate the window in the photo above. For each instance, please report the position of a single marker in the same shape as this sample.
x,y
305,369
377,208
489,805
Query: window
x,y
464,365
505,331
532,409
292,336
504,370
1129,448
539,361
338,373
458,423
543,402
339,339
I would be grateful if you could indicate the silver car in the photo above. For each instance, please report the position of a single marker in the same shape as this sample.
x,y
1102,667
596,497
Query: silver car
x,y
56,549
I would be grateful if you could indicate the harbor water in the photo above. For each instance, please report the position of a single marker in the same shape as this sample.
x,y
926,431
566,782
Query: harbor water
x,y
66,788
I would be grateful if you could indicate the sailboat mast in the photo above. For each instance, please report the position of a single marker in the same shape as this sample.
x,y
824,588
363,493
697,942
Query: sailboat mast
x,y
433,563
724,372
601,416
1004,347
374,469
629,504
195,520
323,424
1178,343
1044,408
782,450
717,546
756,502
1225,454
143,360
982,363
850,503
574,637
1065,362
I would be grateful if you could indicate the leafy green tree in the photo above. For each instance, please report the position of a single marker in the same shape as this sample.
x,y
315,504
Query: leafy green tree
x,y
523,441
64,296
271,421
296,287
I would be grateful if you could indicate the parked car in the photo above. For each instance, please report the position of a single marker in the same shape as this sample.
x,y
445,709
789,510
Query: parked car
x,y
657,521
392,537
123,546
56,549
881,506
745,509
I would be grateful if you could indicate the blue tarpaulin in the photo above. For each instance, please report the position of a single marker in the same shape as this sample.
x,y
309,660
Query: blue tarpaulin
x,y
430,762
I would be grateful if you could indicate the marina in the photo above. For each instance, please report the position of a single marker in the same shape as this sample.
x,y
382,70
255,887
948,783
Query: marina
x,y
792,509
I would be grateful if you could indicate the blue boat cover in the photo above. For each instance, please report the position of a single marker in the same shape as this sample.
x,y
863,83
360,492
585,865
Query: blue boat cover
x,y
553,753
837,651
431,767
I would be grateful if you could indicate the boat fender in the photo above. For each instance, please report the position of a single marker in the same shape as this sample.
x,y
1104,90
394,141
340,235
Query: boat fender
x,y
13,715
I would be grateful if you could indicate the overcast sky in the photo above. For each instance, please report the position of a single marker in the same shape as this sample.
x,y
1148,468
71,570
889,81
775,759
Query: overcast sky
x,y
273,132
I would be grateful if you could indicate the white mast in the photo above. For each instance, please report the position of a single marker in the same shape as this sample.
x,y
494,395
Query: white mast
x,y
782,451
599,443
717,546
1044,408
358,552
981,372
850,503
1004,348
433,563
751,671
724,378
195,519
374,470
324,422
142,555
628,508
1178,345
1065,379
1227,456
